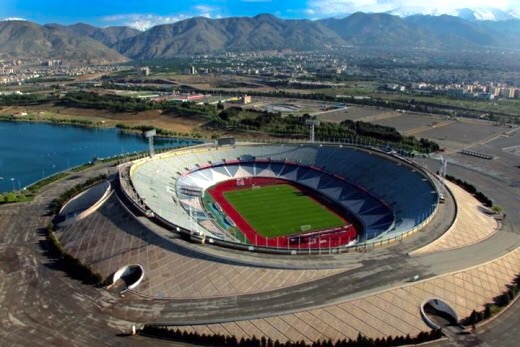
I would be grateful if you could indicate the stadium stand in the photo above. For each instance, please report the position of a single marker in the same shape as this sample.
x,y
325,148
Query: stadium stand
x,y
388,196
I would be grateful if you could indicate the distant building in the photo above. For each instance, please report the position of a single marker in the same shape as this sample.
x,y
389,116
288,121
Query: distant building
x,y
246,99
144,71
494,90
190,71
508,93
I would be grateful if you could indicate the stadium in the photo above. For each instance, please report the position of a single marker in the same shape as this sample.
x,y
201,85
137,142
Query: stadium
x,y
296,198
290,242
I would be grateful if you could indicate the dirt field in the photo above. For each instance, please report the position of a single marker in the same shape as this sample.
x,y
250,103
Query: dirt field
x,y
154,118
216,82
409,123
464,132
355,113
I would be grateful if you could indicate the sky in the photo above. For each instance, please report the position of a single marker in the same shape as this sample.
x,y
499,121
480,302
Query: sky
x,y
146,13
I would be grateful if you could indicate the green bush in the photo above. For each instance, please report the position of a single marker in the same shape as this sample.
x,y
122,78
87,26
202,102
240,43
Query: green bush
x,y
295,126
472,190
72,266
232,341
499,302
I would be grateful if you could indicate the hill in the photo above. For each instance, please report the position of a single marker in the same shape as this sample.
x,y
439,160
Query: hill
x,y
19,39
386,30
204,35
199,35
107,36
379,29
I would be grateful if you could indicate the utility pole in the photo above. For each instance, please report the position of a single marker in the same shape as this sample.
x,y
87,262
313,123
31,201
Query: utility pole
x,y
312,123
149,135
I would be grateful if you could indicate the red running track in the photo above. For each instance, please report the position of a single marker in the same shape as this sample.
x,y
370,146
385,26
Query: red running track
x,y
315,240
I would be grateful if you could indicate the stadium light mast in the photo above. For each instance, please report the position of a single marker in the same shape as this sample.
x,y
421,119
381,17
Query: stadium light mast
x,y
442,174
312,123
149,135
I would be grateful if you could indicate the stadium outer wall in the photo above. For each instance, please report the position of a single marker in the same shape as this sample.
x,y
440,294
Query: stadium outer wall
x,y
131,196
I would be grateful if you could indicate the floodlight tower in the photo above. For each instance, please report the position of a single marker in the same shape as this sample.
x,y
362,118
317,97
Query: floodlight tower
x,y
312,123
149,135
442,174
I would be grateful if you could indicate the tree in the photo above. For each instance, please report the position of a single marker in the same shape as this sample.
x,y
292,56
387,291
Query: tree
x,y
497,209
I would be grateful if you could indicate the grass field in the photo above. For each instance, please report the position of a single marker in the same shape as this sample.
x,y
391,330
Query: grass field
x,y
280,210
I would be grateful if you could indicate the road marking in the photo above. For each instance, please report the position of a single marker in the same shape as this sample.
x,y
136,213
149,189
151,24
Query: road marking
x,y
509,148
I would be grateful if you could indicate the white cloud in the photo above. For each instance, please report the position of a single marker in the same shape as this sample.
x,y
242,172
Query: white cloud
x,y
207,11
339,7
204,8
142,21
11,19
146,21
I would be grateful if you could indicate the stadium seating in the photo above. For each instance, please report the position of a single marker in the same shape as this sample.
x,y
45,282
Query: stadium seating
x,y
388,196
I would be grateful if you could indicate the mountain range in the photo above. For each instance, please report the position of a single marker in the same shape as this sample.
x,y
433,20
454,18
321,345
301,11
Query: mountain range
x,y
471,14
23,39
83,42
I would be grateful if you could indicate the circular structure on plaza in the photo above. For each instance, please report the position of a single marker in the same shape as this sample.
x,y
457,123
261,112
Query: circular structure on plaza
x,y
297,198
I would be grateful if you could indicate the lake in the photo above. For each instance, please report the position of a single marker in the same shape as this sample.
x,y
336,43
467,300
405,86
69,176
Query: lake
x,y
32,151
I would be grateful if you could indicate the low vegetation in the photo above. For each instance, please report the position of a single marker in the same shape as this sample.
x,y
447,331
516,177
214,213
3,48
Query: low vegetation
x,y
293,126
107,102
70,265
52,120
498,304
232,341
119,103
28,193
470,188
24,99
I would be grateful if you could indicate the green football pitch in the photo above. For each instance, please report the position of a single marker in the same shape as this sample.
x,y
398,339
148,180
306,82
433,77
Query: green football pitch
x,y
281,210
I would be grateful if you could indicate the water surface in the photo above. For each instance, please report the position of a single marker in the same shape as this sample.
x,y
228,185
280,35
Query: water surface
x,y
31,151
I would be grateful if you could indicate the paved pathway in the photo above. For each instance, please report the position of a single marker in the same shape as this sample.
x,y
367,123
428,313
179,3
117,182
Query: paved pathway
x,y
473,224
393,312
111,238
40,305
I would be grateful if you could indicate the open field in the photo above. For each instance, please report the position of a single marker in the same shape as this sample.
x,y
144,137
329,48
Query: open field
x,y
464,132
155,118
410,123
241,84
355,113
281,210
286,106
453,133
507,106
